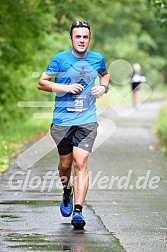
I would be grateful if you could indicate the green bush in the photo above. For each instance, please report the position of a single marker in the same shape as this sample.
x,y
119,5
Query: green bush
x,y
162,126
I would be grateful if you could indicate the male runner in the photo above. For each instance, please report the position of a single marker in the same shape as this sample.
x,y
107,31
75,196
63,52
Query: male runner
x,y
74,124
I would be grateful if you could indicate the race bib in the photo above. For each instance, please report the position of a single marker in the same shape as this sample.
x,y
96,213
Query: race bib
x,y
78,103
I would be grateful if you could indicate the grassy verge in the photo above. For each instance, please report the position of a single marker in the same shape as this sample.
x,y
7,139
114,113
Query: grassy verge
x,y
161,126
13,138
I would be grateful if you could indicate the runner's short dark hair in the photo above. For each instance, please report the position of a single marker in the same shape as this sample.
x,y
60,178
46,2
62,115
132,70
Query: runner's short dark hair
x,y
79,24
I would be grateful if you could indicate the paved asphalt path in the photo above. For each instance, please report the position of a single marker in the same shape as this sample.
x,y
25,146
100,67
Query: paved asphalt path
x,y
125,207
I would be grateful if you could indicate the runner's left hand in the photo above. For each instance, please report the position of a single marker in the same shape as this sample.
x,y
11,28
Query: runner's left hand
x,y
98,91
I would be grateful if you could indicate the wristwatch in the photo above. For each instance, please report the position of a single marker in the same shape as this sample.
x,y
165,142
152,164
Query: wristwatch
x,y
106,88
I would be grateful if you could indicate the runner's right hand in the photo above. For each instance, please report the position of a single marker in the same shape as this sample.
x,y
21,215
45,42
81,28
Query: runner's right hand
x,y
74,88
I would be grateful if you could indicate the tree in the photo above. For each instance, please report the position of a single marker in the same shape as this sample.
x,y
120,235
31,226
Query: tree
x,y
21,35
160,8
33,30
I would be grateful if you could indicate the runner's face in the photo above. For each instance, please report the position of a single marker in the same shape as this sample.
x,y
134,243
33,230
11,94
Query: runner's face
x,y
80,40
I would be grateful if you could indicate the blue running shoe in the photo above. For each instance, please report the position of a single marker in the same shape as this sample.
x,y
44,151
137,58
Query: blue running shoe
x,y
78,220
66,205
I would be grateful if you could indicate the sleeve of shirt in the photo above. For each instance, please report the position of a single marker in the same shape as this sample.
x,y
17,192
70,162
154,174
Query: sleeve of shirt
x,y
53,67
103,67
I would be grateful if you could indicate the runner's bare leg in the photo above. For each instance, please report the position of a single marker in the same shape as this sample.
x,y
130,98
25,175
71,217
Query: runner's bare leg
x,y
64,168
81,180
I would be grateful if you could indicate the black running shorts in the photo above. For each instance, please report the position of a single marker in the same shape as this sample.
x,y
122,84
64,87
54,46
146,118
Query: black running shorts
x,y
135,86
81,136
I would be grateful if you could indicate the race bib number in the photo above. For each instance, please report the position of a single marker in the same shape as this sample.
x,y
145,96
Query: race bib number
x,y
78,103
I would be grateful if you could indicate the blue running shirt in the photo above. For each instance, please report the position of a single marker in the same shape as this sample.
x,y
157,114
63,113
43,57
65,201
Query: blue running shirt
x,y
75,109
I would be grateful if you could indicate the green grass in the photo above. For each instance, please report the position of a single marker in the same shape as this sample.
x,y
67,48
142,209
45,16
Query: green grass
x,y
13,137
161,126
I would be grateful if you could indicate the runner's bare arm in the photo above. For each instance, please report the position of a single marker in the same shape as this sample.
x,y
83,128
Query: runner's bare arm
x,y
47,85
105,79
98,91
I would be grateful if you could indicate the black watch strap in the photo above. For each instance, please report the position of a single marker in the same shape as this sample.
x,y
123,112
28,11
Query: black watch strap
x,y
106,88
